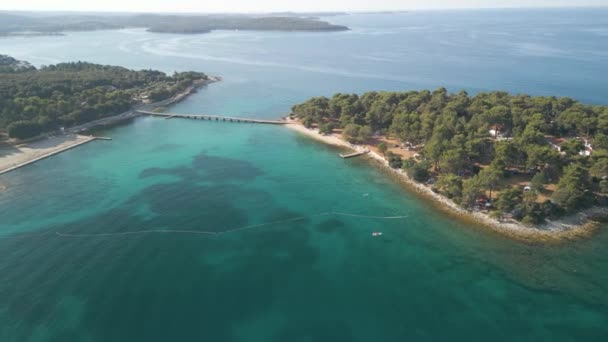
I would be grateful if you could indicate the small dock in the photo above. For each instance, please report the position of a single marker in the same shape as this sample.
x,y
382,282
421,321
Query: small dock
x,y
213,118
354,154
51,153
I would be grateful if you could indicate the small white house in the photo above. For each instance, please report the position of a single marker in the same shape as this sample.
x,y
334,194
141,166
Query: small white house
x,y
588,148
496,131
555,143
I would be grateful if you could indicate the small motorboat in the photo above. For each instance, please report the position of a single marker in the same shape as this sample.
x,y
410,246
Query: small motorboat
x,y
377,234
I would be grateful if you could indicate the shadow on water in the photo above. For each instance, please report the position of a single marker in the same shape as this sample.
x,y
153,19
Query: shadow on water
x,y
329,226
209,168
166,288
159,287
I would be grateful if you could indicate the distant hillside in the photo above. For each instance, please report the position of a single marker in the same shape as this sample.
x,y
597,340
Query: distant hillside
x,y
77,26
16,24
206,24
10,65
308,14
12,24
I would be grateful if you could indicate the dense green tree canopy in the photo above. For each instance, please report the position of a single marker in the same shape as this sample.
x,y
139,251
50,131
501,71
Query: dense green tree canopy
x,y
68,94
573,188
497,133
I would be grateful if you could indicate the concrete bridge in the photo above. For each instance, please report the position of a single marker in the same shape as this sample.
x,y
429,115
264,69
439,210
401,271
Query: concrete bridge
x,y
213,118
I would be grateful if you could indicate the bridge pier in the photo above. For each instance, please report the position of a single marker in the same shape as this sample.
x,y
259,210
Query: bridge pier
x,y
212,117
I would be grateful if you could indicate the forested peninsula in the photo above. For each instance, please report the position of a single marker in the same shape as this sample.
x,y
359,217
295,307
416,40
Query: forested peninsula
x,y
34,101
516,158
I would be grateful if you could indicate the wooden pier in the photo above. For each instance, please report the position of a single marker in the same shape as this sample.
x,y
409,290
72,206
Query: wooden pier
x,y
213,118
354,154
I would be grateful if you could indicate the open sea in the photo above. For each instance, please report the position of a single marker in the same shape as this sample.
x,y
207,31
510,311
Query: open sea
x,y
82,258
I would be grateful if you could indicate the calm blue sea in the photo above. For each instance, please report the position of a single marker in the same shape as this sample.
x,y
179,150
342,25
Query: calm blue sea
x,y
78,260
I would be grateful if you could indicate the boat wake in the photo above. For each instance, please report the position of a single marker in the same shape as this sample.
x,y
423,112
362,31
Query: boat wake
x,y
202,232
217,233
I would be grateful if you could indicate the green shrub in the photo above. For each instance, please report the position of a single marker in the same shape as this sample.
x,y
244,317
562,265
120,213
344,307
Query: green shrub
x,y
24,129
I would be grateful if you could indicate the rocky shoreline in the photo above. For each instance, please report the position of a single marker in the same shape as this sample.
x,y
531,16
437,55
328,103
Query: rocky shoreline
x,y
582,224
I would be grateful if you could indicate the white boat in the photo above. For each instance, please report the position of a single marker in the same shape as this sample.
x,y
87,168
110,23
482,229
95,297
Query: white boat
x,y
377,234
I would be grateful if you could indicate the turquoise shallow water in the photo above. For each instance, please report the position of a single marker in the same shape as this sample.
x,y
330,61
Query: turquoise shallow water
x,y
309,277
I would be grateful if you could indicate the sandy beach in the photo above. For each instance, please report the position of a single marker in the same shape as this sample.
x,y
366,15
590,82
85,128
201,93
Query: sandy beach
x,y
567,228
15,156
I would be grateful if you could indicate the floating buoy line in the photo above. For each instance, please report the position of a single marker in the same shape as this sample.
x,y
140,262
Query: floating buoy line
x,y
200,232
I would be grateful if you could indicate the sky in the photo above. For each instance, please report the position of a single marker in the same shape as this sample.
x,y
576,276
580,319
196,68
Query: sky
x,y
278,5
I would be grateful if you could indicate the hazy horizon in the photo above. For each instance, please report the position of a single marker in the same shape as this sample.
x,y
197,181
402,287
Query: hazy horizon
x,y
270,6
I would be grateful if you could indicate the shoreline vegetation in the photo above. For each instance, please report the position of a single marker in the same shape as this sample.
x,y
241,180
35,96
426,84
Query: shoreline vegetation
x,y
56,97
534,168
531,168
47,139
582,224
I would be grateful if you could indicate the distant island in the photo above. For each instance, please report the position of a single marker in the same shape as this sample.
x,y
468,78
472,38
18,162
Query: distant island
x,y
176,24
511,160
19,24
308,14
